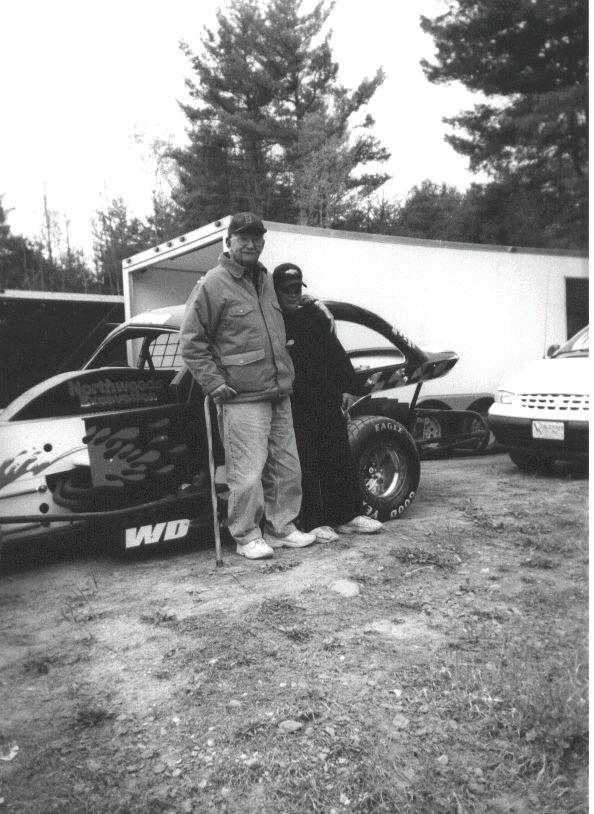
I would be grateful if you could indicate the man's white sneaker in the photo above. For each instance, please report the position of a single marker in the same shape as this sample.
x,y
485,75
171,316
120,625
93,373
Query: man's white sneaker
x,y
255,550
360,525
324,534
296,539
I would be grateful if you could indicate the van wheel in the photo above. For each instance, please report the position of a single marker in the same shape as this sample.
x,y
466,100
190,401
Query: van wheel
x,y
530,461
387,465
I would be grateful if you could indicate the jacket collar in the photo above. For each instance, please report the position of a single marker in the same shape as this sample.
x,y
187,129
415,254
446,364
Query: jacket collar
x,y
234,268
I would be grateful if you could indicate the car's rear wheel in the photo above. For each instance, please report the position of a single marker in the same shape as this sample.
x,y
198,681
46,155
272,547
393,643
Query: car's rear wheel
x,y
387,465
475,423
530,461
428,428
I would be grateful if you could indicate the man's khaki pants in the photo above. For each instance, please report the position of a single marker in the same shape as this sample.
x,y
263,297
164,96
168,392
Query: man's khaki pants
x,y
262,466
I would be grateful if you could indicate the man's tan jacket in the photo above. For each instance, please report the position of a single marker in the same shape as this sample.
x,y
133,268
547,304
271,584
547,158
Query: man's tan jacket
x,y
232,335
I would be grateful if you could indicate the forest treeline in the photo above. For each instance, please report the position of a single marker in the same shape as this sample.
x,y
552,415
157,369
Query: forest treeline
x,y
270,128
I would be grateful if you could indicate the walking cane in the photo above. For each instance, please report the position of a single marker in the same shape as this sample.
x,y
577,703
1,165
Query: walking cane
x,y
213,493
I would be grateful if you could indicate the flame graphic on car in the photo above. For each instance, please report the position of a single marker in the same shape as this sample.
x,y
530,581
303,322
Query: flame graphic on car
x,y
27,462
120,456
117,456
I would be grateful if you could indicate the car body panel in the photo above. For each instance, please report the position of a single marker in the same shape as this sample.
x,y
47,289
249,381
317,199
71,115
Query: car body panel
x,y
125,442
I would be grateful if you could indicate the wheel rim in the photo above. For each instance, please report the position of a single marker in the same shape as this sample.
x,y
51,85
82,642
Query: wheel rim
x,y
383,470
475,424
429,429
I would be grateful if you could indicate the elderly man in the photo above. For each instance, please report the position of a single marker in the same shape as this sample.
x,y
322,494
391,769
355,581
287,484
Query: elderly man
x,y
233,342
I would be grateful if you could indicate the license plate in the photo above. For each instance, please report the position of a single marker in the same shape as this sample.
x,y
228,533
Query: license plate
x,y
550,430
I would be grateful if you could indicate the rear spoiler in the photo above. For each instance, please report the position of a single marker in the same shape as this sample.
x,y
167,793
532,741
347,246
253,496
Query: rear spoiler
x,y
420,365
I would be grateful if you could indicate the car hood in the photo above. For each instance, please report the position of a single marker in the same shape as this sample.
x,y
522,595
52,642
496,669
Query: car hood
x,y
550,376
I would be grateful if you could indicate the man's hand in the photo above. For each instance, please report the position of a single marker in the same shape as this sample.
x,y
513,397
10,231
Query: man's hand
x,y
222,393
319,304
306,298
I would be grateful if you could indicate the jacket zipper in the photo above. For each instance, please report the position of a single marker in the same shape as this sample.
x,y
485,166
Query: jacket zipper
x,y
269,338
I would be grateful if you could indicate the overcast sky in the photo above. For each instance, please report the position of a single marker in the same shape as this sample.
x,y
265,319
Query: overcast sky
x,y
83,83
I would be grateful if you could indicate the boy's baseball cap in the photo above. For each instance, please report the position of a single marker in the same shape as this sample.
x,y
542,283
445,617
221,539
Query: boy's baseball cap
x,y
287,275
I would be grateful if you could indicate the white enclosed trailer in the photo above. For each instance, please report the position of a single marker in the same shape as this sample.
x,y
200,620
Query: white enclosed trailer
x,y
497,307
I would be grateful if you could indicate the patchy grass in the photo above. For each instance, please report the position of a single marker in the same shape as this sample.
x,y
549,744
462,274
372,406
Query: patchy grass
x,y
454,683
92,715
485,520
439,556
532,708
539,561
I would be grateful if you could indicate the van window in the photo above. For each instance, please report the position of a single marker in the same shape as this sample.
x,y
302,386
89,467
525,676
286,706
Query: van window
x,y
576,303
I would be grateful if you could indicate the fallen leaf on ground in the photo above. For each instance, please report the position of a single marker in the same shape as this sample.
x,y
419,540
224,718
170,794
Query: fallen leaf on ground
x,y
8,751
290,726
345,587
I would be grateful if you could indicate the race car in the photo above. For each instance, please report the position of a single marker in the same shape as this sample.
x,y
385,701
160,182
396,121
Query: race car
x,y
125,442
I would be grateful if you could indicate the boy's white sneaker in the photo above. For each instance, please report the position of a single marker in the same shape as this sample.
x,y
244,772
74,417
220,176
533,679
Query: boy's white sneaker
x,y
360,525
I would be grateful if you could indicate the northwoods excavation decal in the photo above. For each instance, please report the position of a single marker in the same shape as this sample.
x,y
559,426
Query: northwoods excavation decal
x,y
107,393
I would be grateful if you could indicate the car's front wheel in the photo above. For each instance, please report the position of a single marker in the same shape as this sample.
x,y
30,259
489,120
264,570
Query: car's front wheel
x,y
530,461
387,465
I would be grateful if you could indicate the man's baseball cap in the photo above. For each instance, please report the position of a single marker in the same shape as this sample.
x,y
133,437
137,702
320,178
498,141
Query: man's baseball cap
x,y
287,275
245,223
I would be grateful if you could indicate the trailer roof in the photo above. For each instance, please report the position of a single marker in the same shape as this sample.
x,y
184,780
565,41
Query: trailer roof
x,y
18,294
176,254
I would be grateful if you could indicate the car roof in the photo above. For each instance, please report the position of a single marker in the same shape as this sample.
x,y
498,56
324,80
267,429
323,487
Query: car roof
x,y
169,317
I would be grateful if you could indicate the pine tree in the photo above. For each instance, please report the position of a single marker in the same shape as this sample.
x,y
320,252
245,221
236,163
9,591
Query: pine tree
x,y
163,222
271,128
530,58
115,237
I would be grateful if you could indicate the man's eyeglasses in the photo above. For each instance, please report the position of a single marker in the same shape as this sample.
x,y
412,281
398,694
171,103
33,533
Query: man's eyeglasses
x,y
243,240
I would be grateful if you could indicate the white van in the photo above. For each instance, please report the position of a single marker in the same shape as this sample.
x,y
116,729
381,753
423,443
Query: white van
x,y
541,413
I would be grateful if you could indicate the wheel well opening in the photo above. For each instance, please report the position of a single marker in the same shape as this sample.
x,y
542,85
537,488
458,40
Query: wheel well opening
x,y
433,405
481,405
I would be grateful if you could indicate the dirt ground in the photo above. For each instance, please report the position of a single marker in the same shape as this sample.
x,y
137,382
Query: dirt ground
x,y
439,666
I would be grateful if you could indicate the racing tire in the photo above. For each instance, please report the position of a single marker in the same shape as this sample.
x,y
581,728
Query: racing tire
x,y
530,461
387,465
